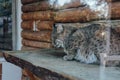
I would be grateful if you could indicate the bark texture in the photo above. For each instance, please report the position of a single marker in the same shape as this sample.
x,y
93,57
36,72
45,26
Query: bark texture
x,y
36,44
27,25
37,36
40,15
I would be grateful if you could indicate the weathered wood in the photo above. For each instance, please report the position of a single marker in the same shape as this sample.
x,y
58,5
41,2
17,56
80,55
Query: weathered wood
x,y
41,15
46,5
42,73
28,48
47,64
29,74
36,44
44,25
27,25
26,75
39,6
37,36
29,1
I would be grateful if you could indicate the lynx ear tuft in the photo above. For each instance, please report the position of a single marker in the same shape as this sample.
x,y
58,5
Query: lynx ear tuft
x,y
59,28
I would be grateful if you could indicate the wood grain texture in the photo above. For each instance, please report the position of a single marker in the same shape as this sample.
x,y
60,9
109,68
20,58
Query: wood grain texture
x,y
36,44
37,36
44,25
40,15
38,6
29,1
27,25
75,15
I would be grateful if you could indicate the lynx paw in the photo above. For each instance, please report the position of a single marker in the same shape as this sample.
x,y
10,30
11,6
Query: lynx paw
x,y
68,57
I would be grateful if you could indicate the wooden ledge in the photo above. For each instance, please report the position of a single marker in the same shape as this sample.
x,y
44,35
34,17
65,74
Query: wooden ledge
x,y
47,64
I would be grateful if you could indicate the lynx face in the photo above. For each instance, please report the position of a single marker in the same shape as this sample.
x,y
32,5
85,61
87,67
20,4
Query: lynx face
x,y
60,32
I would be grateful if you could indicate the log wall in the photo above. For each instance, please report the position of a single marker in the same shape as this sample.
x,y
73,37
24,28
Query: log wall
x,y
40,15
37,22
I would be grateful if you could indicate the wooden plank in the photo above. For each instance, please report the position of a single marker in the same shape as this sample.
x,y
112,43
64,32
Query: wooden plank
x,y
38,6
40,15
36,44
37,36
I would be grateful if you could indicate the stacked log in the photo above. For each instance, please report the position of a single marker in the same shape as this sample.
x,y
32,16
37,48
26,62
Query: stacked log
x,y
39,16
37,22
84,14
44,36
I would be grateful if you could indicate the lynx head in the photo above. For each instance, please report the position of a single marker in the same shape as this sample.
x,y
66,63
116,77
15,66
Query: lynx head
x,y
59,33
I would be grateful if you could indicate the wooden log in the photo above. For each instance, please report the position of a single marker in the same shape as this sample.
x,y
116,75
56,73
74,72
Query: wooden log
x,y
40,15
46,5
84,14
28,48
36,44
27,25
75,15
39,6
44,25
37,36
29,1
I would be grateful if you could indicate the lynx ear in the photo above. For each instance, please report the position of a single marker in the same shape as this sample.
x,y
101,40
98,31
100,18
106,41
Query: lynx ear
x,y
59,28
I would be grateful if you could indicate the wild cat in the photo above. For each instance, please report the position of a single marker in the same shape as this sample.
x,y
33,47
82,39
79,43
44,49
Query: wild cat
x,y
85,44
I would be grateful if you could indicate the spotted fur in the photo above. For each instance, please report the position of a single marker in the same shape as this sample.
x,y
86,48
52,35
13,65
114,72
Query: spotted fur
x,y
86,43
